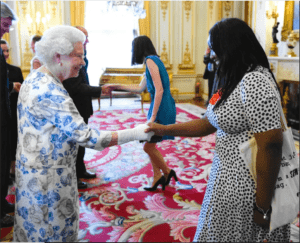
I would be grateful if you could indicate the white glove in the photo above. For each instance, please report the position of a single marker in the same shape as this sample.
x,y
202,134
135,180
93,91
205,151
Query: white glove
x,y
137,133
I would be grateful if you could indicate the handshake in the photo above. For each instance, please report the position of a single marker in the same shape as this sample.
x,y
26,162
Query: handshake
x,y
136,133
107,89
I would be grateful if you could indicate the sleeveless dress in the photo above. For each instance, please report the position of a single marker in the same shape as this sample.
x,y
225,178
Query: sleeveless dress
x,y
227,209
167,110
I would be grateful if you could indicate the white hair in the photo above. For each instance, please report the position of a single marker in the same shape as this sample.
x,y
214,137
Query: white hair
x,y
31,63
6,12
59,39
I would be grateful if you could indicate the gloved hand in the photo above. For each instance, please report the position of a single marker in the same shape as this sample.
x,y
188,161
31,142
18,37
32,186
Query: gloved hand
x,y
136,133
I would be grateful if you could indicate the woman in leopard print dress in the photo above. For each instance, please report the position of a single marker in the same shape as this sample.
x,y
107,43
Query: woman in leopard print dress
x,y
244,107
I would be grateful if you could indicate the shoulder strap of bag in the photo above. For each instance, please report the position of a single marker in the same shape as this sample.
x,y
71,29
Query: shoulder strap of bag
x,y
282,117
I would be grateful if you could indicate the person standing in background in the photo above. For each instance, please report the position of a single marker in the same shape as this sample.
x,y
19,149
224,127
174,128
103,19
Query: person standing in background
x,y
162,108
7,16
210,71
35,63
81,93
14,75
34,39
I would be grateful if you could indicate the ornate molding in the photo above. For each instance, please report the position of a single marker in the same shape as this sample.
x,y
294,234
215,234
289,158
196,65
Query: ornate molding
x,y
164,7
23,6
187,8
54,5
164,57
211,7
227,8
187,63
27,56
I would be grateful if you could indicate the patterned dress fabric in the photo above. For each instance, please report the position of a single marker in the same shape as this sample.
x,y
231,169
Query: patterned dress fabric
x,y
167,111
50,131
227,209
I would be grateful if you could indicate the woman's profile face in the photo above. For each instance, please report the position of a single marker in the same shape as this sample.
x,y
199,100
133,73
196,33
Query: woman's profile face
x,y
72,63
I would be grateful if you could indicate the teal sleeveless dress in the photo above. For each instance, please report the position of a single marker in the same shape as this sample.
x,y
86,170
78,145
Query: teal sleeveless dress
x,y
167,110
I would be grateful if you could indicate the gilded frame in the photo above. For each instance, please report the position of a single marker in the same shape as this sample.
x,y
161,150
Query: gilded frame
x,y
288,20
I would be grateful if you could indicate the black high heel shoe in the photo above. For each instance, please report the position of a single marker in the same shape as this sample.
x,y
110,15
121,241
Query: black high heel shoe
x,y
171,174
161,181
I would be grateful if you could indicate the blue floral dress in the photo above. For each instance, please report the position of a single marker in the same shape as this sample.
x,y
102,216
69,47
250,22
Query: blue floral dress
x,y
50,130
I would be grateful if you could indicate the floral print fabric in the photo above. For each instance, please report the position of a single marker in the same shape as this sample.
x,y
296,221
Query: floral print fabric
x,y
50,130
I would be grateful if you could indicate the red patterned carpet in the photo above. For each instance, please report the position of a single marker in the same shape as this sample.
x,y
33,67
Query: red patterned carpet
x,y
116,208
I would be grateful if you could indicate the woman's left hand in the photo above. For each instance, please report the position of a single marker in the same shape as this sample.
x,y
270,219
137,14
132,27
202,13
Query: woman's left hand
x,y
258,219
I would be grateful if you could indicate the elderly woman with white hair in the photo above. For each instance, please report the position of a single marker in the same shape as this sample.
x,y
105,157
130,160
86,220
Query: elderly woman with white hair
x,y
50,130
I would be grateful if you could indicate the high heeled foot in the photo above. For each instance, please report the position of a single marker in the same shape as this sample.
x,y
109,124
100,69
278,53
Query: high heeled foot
x,y
161,181
171,174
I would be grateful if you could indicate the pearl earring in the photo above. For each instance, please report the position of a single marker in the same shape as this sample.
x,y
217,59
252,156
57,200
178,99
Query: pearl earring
x,y
60,64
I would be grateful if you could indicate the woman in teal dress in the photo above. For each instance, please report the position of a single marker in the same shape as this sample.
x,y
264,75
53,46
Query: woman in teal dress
x,y
162,108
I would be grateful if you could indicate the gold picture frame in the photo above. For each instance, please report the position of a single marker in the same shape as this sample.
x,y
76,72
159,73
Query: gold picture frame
x,y
288,20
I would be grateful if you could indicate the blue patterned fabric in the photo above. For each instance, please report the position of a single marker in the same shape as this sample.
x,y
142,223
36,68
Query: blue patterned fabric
x,y
49,133
167,110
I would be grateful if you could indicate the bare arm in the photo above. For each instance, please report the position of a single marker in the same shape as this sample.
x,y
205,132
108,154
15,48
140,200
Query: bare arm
x,y
194,128
268,158
269,153
135,88
159,90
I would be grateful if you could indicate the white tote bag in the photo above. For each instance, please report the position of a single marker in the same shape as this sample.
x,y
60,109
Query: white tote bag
x,y
285,202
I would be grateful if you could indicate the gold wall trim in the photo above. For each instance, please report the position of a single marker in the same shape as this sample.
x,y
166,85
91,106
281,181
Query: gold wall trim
x,y
144,24
220,10
164,7
186,65
164,57
27,29
211,8
187,8
77,9
288,20
248,13
227,8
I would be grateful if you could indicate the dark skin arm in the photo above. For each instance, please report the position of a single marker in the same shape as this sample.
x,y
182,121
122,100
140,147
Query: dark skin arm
x,y
269,153
268,156
194,128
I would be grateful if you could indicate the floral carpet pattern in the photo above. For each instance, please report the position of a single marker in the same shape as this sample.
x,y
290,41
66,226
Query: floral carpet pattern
x,y
116,208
